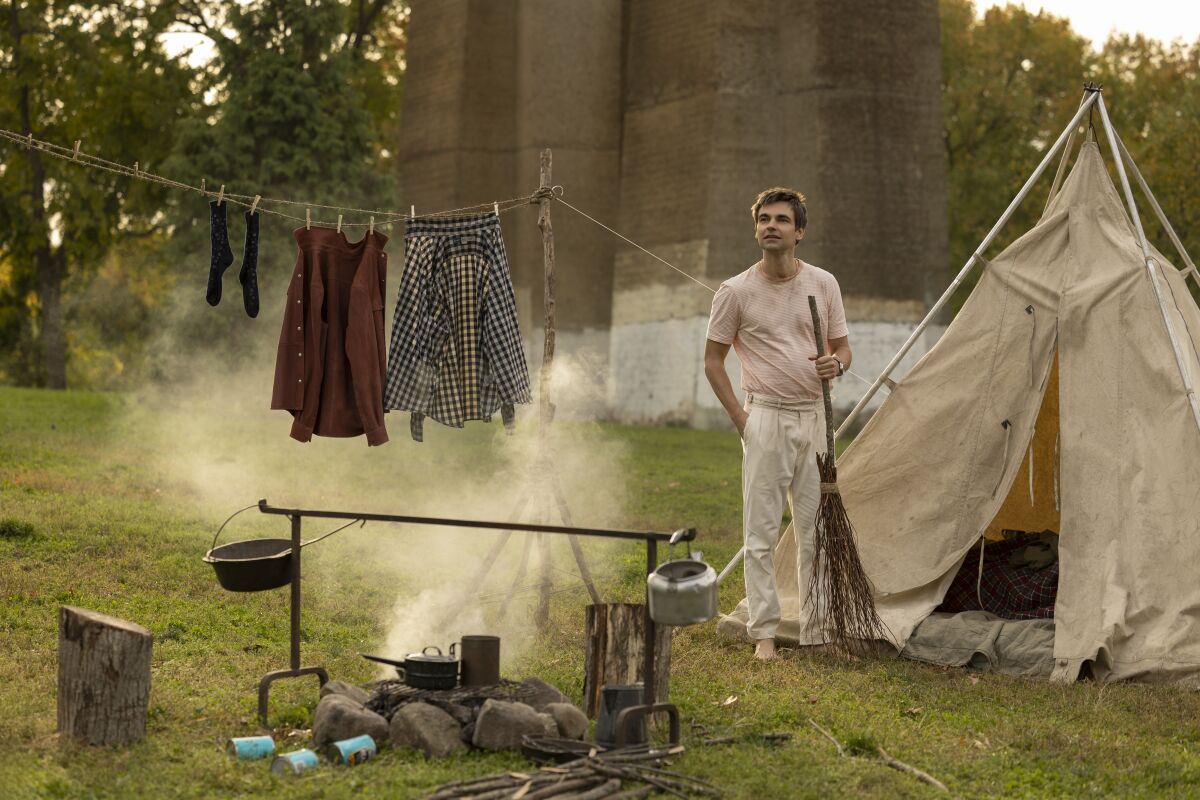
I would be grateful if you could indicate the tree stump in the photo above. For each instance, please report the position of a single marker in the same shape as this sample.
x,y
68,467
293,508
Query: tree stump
x,y
616,651
103,677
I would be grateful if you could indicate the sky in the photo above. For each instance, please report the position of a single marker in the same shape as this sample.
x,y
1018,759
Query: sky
x,y
1095,19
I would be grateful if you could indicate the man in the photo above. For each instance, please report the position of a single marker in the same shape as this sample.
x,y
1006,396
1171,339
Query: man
x,y
764,314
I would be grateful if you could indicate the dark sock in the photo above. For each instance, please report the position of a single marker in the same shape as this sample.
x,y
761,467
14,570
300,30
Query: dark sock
x,y
249,274
222,256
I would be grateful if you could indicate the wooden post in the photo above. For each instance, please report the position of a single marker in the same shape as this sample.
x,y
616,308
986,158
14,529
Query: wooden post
x,y
546,405
544,185
616,644
103,677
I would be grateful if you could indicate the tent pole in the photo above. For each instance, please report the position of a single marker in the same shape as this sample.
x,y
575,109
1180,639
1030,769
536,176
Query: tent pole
x,y
1162,217
975,257
1062,162
1151,266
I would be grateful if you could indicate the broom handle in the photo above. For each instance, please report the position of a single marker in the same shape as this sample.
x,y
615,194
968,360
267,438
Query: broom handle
x,y
816,320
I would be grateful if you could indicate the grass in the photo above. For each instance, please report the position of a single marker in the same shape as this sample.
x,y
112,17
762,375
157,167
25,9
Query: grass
x,y
108,502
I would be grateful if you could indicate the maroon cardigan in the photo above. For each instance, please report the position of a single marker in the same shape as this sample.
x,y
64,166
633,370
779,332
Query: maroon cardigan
x,y
332,360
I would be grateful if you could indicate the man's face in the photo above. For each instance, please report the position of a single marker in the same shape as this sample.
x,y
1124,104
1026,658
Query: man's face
x,y
775,228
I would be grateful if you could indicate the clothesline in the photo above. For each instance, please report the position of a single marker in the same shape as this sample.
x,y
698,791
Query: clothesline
x,y
255,202
384,217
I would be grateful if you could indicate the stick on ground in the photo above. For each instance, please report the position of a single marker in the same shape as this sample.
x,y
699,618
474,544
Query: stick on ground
x,y
923,777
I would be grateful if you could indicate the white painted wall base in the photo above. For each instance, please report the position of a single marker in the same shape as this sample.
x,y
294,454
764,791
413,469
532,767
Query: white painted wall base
x,y
652,373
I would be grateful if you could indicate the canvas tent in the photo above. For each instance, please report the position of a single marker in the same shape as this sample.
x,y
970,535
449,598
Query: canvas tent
x,y
1079,342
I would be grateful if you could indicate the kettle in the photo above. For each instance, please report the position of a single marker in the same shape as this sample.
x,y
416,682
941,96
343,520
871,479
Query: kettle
x,y
682,591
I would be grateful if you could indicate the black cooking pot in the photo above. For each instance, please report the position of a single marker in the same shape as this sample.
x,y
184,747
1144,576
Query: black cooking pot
x,y
425,670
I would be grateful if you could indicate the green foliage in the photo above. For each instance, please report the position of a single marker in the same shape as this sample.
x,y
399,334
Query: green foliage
x,y
17,529
1011,81
1153,93
91,71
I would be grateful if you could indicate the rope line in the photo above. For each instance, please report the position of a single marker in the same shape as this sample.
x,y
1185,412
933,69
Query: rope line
x,y
388,217
557,194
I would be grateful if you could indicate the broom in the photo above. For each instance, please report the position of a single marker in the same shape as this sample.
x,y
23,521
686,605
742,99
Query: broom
x,y
851,621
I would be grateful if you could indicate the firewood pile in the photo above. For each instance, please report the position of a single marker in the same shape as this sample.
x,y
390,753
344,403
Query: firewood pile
x,y
630,772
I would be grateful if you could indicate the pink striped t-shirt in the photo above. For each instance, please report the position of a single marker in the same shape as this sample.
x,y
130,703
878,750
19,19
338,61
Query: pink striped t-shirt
x,y
769,325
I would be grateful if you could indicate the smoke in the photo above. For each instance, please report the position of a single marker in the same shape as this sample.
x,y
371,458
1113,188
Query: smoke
x,y
222,448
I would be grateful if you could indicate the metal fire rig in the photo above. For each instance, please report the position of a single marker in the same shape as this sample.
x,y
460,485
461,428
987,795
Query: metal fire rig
x,y
651,538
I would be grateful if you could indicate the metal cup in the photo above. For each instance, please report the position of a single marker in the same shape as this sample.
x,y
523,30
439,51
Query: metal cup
x,y
480,660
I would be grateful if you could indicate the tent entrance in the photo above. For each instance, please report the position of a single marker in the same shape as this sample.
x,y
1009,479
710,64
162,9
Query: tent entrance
x,y
1019,548
1033,503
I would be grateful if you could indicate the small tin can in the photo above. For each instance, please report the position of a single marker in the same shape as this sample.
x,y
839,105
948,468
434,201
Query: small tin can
x,y
351,751
249,748
294,763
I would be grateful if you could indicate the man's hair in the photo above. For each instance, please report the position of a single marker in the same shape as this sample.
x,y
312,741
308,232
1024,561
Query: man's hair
x,y
779,194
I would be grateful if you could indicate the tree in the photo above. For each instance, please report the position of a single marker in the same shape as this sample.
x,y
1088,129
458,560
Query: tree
x,y
301,98
90,71
1152,90
1011,80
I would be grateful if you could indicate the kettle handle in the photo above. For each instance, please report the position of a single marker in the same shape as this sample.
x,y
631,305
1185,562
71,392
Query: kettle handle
x,y
432,647
674,540
453,645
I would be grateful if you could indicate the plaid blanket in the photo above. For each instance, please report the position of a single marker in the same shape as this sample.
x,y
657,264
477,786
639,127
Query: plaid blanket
x,y
1011,592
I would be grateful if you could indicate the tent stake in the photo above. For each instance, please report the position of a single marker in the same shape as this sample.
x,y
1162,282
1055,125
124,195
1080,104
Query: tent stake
x,y
1151,266
975,257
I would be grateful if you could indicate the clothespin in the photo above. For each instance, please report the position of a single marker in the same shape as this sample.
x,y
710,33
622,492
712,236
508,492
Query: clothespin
x,y
135,169
308,219
412,212
203,187
75,154
339,223
371,227
254,205
221,195
496,207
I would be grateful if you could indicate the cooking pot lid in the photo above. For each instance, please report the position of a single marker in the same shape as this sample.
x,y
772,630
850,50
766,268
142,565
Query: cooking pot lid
x,y
430,658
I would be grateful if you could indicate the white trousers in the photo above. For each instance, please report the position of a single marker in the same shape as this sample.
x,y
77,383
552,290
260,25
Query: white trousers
x,y
779,463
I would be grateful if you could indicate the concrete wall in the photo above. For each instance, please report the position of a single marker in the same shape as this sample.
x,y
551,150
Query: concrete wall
x,y
666,119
